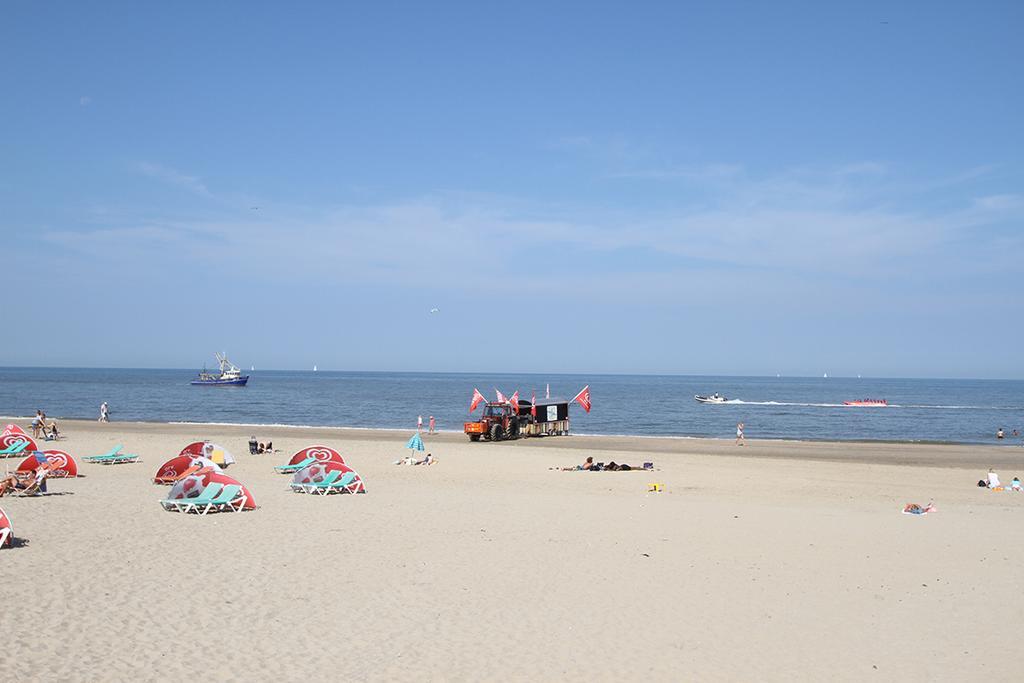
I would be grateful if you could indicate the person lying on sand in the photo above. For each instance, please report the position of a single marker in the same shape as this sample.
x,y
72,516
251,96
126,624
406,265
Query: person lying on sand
x,y
587,464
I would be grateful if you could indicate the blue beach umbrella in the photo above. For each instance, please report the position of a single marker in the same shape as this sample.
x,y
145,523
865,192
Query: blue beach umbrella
x,y
415,443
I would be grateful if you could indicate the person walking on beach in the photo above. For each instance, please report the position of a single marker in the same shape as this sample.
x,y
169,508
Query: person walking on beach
x,y
419,423
104,412
432,425
739,434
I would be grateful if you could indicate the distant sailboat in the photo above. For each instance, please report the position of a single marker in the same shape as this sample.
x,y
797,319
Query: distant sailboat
x,y
251,368
825,375
314,368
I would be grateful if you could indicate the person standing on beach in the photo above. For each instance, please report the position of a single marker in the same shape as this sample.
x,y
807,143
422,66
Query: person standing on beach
x,y
104,412
432,424
419,423
739,434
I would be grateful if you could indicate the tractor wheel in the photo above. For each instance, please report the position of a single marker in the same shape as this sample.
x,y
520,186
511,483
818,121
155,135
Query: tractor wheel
x,y
513,431
497,433
474,437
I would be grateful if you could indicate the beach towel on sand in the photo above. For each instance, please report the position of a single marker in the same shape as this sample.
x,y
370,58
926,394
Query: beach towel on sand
x,y
915,509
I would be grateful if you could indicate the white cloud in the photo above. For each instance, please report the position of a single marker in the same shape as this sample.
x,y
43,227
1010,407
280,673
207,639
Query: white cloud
x,y
785,236
169,175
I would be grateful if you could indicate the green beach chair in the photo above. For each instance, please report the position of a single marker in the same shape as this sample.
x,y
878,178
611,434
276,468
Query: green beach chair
x,y
227,496
109,454
331,477
340,486
183,504
14,449
291,469
119,459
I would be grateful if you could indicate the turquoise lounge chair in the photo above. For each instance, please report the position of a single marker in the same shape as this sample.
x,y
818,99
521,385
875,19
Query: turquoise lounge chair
x,y
118,459
14,449
291,469
327,481
339,486
109,454
225,499
183,504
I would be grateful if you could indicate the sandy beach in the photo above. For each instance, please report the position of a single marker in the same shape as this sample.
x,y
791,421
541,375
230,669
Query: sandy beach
x,y
773,561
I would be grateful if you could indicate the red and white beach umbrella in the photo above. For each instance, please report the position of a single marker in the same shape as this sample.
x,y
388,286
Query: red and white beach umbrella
x,y
179,464
6,530
207,449
12,429
321,453
61,463
192,485
8,440
316,473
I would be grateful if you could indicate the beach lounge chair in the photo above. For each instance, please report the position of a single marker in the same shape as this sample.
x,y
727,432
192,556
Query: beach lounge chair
x,y
177,477
344,484
291,469
14,449
38,485
331,477
183,504
118,459
227,498
109,454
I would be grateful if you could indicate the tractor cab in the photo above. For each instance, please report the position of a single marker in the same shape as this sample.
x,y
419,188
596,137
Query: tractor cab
x,y
497,410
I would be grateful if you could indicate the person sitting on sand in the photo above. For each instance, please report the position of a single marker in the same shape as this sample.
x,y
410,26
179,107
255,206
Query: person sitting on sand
x,y
428,460
269,448
993,480
1015,485
54,434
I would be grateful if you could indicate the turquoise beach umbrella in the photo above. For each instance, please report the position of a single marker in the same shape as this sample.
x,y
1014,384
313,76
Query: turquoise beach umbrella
x,y
415,443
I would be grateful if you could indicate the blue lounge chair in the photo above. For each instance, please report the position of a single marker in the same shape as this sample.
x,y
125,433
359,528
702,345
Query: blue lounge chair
x,y
14,449
291,469
109,454
227,498
183,504
118,459
331,477
339,486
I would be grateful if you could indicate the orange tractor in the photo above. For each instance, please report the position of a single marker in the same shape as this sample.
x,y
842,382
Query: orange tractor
x,y
500,422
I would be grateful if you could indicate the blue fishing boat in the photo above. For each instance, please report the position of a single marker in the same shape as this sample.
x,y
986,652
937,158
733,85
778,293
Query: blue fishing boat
x,y
229,375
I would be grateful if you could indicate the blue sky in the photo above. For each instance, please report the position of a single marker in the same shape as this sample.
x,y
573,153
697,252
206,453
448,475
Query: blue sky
x,y
738,188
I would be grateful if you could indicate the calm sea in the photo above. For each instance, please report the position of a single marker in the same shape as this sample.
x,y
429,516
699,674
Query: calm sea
x,y
965,411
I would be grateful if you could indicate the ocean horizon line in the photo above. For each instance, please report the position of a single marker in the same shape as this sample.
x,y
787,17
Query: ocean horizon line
x,y
561,373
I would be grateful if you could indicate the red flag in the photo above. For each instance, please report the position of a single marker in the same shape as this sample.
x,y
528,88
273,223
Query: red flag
x,y
478,398
515,401
501,396
533,404
583,398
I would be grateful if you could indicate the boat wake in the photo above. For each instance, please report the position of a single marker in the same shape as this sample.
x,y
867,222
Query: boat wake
x,y
736,401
